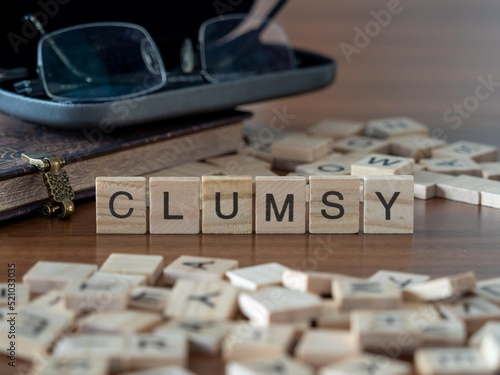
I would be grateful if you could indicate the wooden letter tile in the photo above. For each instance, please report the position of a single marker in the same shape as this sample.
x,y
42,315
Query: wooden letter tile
x,y
489,289
174,205
271,366
227,203
368,364
401,279
17,296
452,166
476,339
208,300
301,147
464,188
149,298
491,170
334,204
415,146
119,322
444,288
388,204
360,143
395,127
257,276
74,366
149,266
278,304
320,347
319,283
45,276
450,361
332,165
359,294
476,151
247,342
425,183
121,205
280,205
378,164
197,268
167,370
490,349
205,336
490,197
330,316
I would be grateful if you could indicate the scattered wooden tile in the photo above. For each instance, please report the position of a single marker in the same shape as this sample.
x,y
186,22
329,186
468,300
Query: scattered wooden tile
x,y
174,205
208,300
365,363
464,188
147,351
247,342
277,304
452,166
415,146
332,165
74,366
14,295
489,289
388,204
361,294
441,333
475,311
280,205
450,361
149,298
490,197
490,349
227,204
191,169
121,205
425,183
45,276
444,288
360,143
260,139
395,127
205,336
336,128
401,279
197,268
379,164
320,347
491,170
119,322
330,316
101,292
235,164
36,330
319,283
257,276
149,266
476,151
476,338
334,204
271,366
167,370
301,147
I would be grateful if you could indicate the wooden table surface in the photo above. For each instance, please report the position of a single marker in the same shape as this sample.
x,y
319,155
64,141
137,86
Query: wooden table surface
x,y
431,56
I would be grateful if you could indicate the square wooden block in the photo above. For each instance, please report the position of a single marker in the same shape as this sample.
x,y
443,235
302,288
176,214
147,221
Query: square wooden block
x,y
364,364
334,204
208,300
45,276
287,306
395,127
379,164
491,170
283,364
257,276
150,266
16,296
280,205
227,204
444,288
452,166
425,183
74,366
197,268
164,370
401,279
330,316
366,294
490,197
415,146
330,166
119,322
319,283
121,205
450,361
359,143
388,204
174,205
301,147
149,298
489,289
478,152
474,311
464,188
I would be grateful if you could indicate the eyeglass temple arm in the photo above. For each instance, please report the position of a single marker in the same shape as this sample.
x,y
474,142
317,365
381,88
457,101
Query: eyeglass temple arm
x,y
66,61
12,74
272,13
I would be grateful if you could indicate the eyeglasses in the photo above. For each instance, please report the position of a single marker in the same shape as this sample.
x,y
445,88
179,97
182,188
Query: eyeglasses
x,y
99,62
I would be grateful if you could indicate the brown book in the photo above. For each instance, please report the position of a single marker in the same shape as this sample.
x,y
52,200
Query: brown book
x,y
89,153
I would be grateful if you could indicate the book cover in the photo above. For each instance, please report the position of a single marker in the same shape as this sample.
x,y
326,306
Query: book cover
x,y
104,151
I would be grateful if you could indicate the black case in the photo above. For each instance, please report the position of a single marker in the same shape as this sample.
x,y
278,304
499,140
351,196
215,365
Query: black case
x,y
169,23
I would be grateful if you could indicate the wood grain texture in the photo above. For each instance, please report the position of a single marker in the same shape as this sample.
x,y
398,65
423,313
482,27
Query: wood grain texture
x,y
408,69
